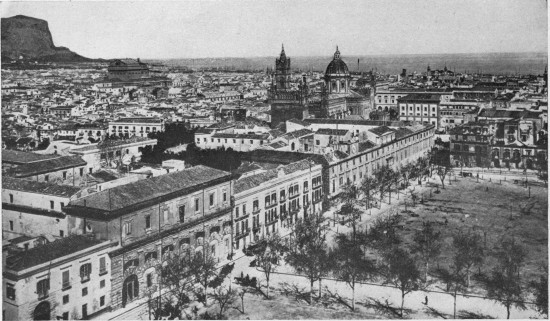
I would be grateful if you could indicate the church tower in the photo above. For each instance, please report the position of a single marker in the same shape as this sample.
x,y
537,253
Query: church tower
x,y
282,71
286,102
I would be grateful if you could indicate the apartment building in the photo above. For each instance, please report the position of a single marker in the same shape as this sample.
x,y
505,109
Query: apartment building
x,y
155,217
67,279
420,108
271,201
64,170
136,126
32,208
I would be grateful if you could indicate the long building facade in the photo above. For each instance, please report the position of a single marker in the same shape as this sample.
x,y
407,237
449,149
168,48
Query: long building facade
x,y
150,219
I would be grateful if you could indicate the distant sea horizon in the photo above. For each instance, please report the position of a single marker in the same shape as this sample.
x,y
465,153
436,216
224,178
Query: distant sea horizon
x,y
501,63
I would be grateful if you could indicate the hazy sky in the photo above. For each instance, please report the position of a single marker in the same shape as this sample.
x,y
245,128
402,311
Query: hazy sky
x,y
186,29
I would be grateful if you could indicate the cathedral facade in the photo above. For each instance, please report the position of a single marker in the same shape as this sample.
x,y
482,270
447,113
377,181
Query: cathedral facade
x,y
334,100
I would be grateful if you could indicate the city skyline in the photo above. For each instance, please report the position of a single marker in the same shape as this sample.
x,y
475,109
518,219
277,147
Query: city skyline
x,y
192,29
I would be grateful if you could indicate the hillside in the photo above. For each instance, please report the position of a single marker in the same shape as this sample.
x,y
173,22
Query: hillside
x,y
31,38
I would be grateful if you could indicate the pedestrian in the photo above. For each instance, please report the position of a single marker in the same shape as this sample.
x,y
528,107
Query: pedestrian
x,y
426,300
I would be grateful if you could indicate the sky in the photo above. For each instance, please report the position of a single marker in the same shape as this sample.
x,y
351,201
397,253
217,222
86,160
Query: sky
x,y
198,29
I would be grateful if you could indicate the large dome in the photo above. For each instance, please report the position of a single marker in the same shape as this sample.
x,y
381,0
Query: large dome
x,y
337,66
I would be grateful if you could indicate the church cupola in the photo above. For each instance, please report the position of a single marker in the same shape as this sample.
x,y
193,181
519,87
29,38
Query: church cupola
x,y
337,75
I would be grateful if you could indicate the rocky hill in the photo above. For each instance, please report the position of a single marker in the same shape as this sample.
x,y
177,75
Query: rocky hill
x,y
31,38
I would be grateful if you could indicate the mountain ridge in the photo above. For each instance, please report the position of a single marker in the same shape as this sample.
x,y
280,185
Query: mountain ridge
x,y
31,39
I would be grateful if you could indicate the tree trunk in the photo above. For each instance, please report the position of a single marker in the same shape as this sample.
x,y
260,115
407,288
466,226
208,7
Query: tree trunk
x,y
311,291
443,182
454,309
427,267
320,293
468,278
353,297
402,302
267,290
507,311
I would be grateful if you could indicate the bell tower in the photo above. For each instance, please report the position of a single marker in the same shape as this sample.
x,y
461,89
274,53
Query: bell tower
x,y
282,71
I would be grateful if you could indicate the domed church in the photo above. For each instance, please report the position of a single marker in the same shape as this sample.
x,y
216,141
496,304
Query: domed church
x,y
337,75
335,100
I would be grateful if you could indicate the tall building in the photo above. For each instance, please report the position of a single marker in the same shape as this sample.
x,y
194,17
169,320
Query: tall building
x,y
286,102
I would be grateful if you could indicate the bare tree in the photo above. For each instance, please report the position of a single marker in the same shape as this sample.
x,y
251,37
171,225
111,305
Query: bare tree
x,y
202,269
175,278
469,251
402,272
367,186
308,252
427,245
350,263
224,297
348,209
268,253
540,289
504,283
454,277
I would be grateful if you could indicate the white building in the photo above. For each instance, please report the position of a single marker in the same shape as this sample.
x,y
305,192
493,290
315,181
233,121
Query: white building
x,y
33,208
67,279
272,201
138,126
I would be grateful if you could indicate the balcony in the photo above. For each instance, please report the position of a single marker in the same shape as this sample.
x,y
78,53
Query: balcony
x,y
256,210
282,199
242,234
270,205
293,196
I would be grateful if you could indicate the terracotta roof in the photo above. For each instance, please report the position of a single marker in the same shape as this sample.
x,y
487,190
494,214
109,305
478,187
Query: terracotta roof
x,y
364,145
48,252
49,165
381,130
354,122
421,97
297,133
240,136
137,120
38,187
299,122
18,157
130,197
252,181
402,132
111,143
330,131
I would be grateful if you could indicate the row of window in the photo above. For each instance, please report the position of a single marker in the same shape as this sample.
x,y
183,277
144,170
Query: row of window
x,y
181,212
43,286
225,139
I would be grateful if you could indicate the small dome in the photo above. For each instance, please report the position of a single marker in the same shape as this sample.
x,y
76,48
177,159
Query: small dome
x,y
337,65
